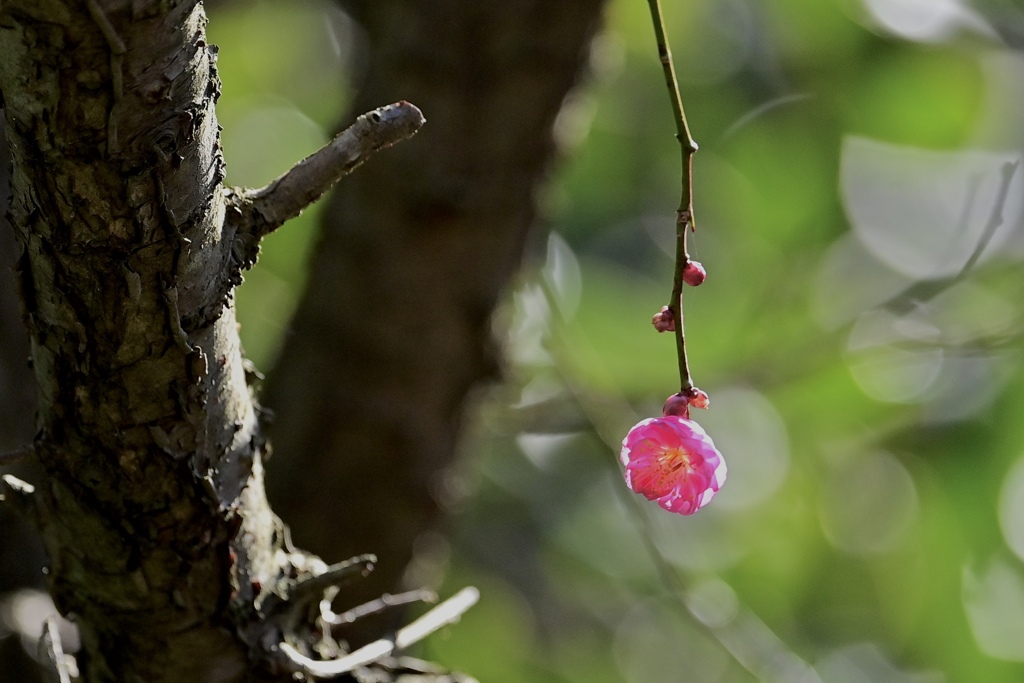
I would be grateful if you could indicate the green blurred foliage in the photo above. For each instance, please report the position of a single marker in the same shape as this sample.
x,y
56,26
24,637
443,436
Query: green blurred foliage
x,y
869,418
285,89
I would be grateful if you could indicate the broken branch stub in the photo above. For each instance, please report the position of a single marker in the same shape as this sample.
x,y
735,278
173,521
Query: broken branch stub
x,y
265,209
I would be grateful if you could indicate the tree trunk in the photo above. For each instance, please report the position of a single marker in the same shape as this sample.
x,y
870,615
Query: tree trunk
x,y
393,333
148,436
21,553
152,509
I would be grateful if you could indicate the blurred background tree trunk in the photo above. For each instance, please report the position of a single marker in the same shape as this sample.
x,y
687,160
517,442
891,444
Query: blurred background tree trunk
x,y
393,333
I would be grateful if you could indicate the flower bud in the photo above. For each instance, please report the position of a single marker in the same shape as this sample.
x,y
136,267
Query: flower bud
x,y
694,273
697,398
677,405
663,320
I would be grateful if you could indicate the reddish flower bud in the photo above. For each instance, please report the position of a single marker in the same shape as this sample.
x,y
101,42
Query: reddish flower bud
x,y
697,398
663,320
677,405
694,273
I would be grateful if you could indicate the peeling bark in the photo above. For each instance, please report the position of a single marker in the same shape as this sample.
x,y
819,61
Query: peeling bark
x,y
393,333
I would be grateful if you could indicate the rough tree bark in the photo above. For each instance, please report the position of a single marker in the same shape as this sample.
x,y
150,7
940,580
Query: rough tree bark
x,y
152,509
394,331
21,556
17,398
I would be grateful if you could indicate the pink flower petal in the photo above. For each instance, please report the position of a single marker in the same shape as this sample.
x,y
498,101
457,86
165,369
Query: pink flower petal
x,y
672,460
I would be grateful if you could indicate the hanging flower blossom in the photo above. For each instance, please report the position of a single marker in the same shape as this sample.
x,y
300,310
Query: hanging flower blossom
x,y
672,460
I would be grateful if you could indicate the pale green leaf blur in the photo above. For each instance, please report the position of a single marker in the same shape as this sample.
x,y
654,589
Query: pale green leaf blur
x,y
866,393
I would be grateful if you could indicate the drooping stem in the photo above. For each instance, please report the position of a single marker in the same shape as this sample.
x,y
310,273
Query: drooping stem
x,y
676,307
684,214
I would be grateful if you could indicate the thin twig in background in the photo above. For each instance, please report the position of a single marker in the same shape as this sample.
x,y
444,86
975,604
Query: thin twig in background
x,y
995,218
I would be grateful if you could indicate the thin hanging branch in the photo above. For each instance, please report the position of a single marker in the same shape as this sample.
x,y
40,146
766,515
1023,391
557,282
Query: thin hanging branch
x,y
684,214
265,209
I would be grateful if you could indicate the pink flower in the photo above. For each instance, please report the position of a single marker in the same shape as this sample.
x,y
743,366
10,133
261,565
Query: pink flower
x,y
672,460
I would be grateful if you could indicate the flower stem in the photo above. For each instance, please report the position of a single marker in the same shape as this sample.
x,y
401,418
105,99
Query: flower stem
x,y
684,214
